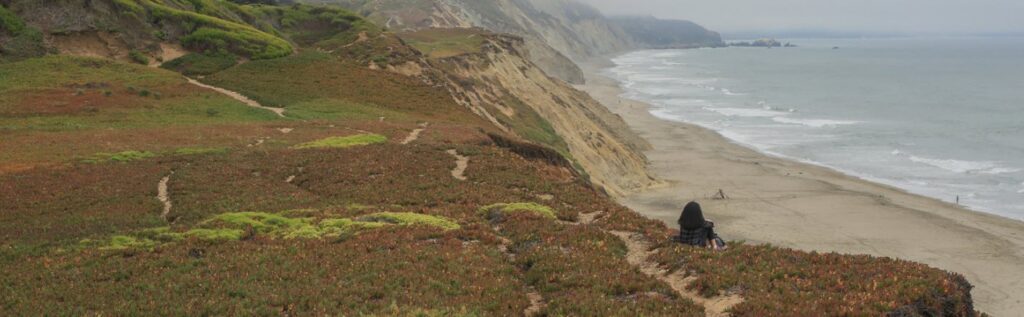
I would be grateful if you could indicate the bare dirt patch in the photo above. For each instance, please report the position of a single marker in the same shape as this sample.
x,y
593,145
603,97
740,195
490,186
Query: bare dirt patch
x,y
415,134
461,163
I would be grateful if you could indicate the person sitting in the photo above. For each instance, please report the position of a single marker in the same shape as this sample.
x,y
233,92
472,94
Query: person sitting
x,y
695,231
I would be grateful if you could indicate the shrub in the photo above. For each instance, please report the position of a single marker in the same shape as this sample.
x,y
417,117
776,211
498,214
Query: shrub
x,y
344,142
498,211
10,22
138,57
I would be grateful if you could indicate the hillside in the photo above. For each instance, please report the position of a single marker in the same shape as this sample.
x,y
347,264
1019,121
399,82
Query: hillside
x,y
201,157
651,32
555,32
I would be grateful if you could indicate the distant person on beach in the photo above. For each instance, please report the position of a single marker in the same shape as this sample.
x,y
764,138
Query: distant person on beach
x,y
695,231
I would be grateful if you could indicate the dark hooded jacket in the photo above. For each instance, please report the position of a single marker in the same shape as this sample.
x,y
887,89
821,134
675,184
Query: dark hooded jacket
x,y
693,229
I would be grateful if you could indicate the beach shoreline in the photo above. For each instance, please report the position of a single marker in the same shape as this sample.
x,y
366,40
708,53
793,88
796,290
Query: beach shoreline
x,y
809,207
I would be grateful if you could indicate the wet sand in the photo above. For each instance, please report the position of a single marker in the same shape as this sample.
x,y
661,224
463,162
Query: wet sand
x,y
807,207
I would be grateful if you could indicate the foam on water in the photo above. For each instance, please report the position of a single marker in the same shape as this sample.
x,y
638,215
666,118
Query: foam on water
x,y
929,137
814,123
744,112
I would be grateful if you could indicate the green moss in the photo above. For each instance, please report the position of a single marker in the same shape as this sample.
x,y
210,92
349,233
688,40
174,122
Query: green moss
x,y
128,242
200,151
265,223
126,156
234,227
216,234
344,142
409,219
496,211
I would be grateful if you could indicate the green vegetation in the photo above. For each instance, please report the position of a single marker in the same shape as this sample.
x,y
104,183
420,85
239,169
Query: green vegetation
x,y
138,57
498,211
442,43
24,42
122,157
410,219
9,22
378,230
217,36
344,142
201,64
200,151
240,225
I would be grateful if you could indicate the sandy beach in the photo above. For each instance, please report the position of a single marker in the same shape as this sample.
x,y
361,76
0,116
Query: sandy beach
x,y
807,207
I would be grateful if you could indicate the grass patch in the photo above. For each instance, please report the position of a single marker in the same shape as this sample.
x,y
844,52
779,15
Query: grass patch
x,y
261,222
344,142
499,211
138,57
238,225
442,43
201,64
128,242
200,151
215,35
410,219
122,157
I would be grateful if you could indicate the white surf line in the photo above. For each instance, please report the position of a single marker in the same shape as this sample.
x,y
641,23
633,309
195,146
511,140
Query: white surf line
x,y
415,134
461,163
637,255
238,96
164,196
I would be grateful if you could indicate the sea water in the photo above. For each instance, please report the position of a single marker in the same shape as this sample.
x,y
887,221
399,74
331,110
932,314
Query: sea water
x,y
940,117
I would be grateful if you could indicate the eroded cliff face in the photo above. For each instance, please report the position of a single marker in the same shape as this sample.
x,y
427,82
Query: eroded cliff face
x,y
556,32
504,87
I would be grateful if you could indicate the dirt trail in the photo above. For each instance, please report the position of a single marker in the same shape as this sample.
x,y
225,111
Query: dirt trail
x,y
415,134
238,96
461,163
164,196
536,304
638,256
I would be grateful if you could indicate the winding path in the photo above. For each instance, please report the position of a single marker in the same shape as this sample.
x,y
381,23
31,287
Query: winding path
x,y
238,96
461,163
415,134
164,196
638,256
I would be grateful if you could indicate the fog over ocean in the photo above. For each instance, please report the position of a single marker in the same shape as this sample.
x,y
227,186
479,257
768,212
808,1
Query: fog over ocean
x,y
941,117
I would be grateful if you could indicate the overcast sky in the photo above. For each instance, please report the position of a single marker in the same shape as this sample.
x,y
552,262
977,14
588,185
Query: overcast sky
x,y
868,16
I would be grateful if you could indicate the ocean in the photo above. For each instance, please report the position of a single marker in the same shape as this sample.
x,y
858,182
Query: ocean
x,y
940,117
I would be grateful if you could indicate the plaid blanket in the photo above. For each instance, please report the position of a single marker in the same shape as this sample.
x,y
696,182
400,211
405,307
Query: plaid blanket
x,y
698,237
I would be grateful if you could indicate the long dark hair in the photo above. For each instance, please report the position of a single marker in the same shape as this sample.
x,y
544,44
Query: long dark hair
x,y
692,217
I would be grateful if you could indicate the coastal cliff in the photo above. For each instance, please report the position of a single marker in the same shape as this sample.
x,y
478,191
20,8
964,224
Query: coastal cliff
x,y
556,33
209,157
502,85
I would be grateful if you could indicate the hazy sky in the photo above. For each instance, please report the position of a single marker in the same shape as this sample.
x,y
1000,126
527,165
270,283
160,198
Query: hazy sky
x,y
886,16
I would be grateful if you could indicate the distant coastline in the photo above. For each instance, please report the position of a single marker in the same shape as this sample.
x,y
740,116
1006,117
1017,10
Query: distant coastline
x,y
793,204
